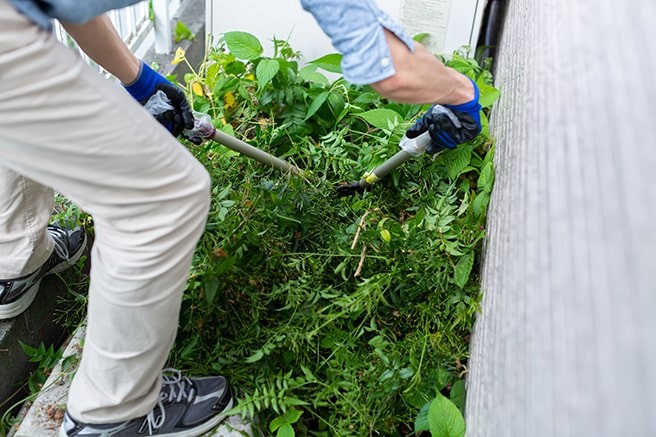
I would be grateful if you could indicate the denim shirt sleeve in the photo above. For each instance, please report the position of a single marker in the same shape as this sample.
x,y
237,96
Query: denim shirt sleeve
x,y
71,11
356,30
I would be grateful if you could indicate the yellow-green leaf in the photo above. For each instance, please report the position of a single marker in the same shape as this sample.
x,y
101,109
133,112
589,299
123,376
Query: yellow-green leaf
x,y
197,89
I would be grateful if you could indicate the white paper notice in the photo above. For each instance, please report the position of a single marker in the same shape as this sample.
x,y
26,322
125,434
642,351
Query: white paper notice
x,y
427,16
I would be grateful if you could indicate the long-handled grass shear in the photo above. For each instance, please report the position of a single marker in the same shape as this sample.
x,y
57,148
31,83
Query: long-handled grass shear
x,y
410,147
203,127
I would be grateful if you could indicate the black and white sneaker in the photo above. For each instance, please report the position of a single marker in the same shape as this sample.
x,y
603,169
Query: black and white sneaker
x,y
17,294
187,407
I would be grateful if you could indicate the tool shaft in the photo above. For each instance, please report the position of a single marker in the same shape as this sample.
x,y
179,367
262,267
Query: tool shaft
x,y
253,152
388,166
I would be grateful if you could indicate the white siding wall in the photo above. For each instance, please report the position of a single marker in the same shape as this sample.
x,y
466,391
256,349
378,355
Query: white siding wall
x,y
287,19
566,343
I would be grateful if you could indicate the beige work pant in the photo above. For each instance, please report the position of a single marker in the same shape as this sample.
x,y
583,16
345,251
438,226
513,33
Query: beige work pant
x,y
65,127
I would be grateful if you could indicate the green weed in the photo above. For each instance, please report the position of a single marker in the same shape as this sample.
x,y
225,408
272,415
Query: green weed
x,y
354,311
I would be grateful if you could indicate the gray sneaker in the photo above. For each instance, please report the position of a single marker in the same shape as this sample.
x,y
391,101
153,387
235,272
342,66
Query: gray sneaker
x,y
187,407
17,294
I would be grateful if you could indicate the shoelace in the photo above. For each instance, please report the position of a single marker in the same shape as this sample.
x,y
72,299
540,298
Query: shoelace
x,y
176,388
61,242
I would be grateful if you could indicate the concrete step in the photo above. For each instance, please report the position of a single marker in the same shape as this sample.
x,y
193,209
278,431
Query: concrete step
x,y
35,326
43,417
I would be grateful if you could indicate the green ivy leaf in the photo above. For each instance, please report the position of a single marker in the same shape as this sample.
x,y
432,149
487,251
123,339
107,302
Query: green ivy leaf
x,y
266,70
331,62
243,45
444,418
463,269
384,119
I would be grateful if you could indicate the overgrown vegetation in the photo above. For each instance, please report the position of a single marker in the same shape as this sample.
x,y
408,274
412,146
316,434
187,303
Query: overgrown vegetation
x,y
333,316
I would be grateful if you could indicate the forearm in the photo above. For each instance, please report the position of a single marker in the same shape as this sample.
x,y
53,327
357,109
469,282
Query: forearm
x,y
100,41
421,78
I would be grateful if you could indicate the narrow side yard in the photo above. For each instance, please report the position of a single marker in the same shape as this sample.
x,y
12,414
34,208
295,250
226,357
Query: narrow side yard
x,y
333,315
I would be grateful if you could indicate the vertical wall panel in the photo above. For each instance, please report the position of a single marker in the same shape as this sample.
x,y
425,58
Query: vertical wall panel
x,y
566,341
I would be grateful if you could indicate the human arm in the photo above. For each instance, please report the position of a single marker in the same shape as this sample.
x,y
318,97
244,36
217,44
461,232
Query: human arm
x,y
421,78
100,41
376,51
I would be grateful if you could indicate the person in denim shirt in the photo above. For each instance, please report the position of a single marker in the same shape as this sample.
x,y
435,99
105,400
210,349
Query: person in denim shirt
x,y
64,127
377,51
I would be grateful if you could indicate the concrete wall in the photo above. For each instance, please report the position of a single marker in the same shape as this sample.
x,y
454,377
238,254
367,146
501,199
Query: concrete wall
x,y
566,342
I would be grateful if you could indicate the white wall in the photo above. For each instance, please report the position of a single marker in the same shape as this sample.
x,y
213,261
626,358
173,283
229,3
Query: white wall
x,y
565,344
287,20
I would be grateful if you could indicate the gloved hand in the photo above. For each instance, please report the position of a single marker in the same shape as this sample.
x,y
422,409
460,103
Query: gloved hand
x,y
144,87
449,125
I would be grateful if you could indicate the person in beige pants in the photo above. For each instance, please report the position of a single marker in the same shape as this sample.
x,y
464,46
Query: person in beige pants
x,y
65,127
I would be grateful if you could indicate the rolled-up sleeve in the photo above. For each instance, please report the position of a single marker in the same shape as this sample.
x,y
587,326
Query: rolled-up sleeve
x,y
356,29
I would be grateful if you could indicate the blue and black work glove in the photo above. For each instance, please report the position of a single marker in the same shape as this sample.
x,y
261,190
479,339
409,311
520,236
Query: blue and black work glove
x,y
179,116
449,125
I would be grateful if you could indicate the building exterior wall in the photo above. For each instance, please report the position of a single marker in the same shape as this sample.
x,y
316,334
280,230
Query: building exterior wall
x,y
286,20
566,341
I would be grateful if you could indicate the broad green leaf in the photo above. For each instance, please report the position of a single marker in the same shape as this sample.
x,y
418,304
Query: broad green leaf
x,y
277,423
463,269
293,415
243,45
285,431
309,74
183,32
489,94
457,160
458,394
421,37
331,62
316,104
228,129
384,119
486,178
485,125
444,418
367,98
266,70
480,203
421,422
211,288
257,356
489,156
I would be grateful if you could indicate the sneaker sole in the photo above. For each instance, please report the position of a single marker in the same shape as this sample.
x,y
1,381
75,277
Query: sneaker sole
x,y
16,308
195,432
